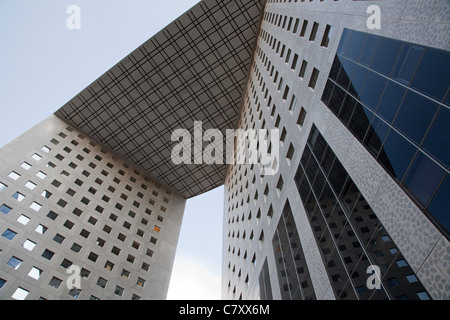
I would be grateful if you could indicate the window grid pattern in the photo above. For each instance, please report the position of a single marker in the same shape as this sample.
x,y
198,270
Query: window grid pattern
x,y
293,275
385,92
191,66
349,235
59,227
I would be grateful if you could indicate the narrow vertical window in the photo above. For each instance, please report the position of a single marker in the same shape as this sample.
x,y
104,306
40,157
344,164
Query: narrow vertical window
x,y
326,36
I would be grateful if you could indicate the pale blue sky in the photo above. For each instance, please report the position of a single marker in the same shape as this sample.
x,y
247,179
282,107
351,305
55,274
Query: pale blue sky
x,y
43,65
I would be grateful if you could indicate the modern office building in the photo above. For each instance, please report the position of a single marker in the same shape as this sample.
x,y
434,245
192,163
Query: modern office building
x,y
360,180
363,180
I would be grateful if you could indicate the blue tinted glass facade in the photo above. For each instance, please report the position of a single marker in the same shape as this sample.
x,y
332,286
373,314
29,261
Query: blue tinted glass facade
x,y
394,97
348,234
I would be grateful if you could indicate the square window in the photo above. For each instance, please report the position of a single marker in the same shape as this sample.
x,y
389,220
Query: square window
x,y
119,291
45,149
100,242
58,238
65,173
423,295
46,194
3,186
23,219
14,262
77,212
107,229
20,294
25,165
41,175
125,274
5,209
76,247
55,282
411,278
135,245
130,258
109,265
47,254
35,273
93,257
14,175
2,282
101,282
92,220
52,215
18,196
84,233
36,157
84,273
50,165
9,234
29,245
41,229
66,263
74,292
35,206
56,183
145,266
115,250
62,203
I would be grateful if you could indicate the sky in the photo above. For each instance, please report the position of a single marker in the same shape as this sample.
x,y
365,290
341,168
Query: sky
x,y
43,64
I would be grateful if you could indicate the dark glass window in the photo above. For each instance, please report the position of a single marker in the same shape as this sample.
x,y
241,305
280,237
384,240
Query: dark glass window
x,y
373,89
359,123
415,115
406,86
294,279
376,135
423,177
440,203
335,68
369,50
357,80
329,86
345,73
348,234
437,140
347,109
390,101
355,45
434,65
337,96
345,39
397,154
407,63
386,55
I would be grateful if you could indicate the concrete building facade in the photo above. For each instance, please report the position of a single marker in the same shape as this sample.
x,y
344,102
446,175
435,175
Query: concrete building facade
x,y
312,230
357,207
69,201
